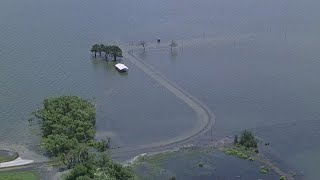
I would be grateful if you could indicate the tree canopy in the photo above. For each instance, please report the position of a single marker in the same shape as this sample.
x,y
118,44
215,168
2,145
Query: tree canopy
x,y
95,49
68,116
112,50
100,167
68,128
101,48
248,140
115,51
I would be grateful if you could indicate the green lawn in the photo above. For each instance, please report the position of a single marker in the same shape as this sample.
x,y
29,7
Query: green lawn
x,y
6,159
28,175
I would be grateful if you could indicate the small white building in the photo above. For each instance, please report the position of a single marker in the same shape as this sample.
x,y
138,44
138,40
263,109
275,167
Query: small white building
x,y
121,67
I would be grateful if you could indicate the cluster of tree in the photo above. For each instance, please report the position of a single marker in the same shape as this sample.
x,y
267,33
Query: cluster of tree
x,y
100,167
112,50
246,140
65,122
68,128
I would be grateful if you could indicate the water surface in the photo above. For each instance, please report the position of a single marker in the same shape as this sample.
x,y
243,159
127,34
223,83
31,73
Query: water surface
x,y
258,83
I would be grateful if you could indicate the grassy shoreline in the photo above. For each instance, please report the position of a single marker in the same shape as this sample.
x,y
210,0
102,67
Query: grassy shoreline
x,y
6,159
24,175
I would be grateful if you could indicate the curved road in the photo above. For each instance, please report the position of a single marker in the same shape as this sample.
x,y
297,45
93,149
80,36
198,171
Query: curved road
x,y
205,118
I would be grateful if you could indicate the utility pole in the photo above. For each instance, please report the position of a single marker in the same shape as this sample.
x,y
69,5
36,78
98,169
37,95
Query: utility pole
x,y
182,45
211,132
285,34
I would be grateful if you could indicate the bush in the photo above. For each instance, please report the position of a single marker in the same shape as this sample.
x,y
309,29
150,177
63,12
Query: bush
x,y
236,152
264,170
248,140
100,167
103,145
283,178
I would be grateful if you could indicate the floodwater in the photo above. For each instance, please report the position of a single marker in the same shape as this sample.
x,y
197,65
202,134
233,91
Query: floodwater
x,y
267,84
198,164
261,74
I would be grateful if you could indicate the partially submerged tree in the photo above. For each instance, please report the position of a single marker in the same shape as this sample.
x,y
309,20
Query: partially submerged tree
x,y
95,49
106,51
143,44
173,44
101,48
115,51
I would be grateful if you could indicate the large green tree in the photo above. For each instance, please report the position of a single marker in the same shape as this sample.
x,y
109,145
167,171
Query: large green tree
x,y
115,51
65,122
101,48
67,125
95,49
106,51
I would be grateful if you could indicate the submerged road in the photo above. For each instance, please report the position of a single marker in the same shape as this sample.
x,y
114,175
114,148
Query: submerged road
x,y
205,117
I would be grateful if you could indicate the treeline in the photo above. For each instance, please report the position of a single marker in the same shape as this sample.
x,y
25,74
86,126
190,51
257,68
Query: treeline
x,y
67,126
112,50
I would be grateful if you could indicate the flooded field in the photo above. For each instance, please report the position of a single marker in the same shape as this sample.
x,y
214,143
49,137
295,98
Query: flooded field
x,y
253,64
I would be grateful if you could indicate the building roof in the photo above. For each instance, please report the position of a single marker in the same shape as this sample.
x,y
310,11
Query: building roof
x,y
121,66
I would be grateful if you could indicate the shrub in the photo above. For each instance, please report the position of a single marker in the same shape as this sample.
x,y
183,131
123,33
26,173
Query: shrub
x,y
236,152
283,178
248,140
264,170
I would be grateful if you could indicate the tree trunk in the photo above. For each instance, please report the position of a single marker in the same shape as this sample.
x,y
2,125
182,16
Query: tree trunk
x,y
115,57
106,57
95,55
100,54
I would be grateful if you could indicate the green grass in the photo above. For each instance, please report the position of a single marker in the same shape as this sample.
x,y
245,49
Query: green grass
x,y
6,159
283,178
28,175
264,170
239,152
